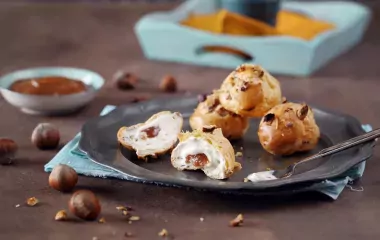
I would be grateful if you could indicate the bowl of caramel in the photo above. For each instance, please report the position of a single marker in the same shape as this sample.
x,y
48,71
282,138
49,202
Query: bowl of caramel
x,y
50,90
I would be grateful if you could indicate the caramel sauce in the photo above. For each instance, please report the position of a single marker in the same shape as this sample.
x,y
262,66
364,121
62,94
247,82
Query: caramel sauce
x,y
198,160
151,132
52,85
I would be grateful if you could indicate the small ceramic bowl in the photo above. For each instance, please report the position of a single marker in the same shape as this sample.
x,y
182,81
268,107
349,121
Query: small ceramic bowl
x,y
51,105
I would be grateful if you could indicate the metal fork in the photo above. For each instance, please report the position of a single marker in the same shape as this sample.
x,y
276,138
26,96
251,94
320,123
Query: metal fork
x,y
289,171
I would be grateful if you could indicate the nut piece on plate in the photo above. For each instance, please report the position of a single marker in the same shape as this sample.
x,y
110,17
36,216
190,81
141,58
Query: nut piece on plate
x,y
250,91
85,205
206,149
45,136
210,112
288,128
154,137
63,178
8,149
168,84
125,80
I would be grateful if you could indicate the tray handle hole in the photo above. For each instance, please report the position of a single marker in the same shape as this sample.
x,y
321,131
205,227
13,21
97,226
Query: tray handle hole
x,y
223,49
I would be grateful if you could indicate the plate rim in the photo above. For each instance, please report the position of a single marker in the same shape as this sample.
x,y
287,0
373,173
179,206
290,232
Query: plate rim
x,y
364,153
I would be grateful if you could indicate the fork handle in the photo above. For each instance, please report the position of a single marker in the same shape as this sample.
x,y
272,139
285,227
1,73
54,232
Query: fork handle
x,y
366,137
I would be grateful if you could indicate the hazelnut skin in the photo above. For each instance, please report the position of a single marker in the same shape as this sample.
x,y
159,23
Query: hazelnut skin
x,y
45,136
63,178
168,84
125,80
85,205
8,149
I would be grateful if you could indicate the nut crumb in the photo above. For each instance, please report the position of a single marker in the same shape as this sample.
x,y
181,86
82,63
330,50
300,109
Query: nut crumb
x,y
163,233
17,205
130,222
201,219
237,221
134,218
238,154
95,238
32,201
61,216
268,169
125,212
245,180
102,220
128,234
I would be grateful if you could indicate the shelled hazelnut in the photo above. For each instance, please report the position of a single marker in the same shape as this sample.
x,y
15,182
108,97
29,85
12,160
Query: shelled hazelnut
x,y
63,178
125,80
168,84
85,205
8,149
45,136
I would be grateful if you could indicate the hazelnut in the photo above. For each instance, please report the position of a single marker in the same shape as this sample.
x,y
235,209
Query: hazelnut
x,y
61,216
237,221
125,80
168,84
45,136
85,205
8,149
63,178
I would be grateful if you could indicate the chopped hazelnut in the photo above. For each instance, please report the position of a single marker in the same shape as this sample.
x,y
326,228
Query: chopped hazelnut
x,y
134,218
237,221
238,154
201,219
102,220
128,234
163,233
61,216
245,180
32,201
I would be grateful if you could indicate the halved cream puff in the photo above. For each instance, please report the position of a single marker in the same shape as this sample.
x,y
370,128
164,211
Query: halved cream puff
x,y
156,136
205,149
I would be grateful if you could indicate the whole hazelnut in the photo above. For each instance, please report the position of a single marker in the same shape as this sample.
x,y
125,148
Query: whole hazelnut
x,y
85,205
63,178
45,136
8,149
125,80
168,84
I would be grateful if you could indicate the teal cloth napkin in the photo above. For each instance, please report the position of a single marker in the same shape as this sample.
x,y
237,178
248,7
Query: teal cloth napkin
x,y
72,156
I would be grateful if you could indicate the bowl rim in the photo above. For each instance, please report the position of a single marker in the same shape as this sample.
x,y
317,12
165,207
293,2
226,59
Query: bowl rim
x,y
52,68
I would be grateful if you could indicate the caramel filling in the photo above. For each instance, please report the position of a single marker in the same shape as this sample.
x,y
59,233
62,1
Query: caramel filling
x,y
198,160
151,132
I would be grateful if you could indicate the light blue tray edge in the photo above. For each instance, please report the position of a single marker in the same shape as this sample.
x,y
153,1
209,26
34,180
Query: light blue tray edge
x,y
162,38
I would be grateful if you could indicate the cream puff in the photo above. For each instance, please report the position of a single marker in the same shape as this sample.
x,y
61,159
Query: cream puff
x,y
210,112
288,128
250,91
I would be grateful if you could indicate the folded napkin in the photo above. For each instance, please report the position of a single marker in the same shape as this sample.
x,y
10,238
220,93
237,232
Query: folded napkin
x,y
72,156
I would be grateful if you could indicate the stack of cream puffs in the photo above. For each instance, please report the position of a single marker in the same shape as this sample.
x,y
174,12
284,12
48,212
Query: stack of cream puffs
x,y
249,91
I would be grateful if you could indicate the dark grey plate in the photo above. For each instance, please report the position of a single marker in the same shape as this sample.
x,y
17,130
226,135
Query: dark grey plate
x,y
99,142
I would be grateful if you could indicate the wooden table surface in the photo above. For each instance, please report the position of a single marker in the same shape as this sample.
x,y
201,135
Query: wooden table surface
x,y
100,37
